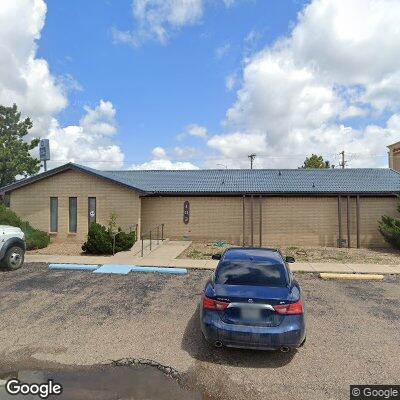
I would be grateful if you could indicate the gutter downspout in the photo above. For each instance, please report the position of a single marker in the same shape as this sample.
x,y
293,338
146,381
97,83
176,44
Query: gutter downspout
x,y
340,220
244,222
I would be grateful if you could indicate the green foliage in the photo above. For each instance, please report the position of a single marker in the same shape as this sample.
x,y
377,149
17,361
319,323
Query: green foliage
x,y
112,223
124,241
315,162
15,158
389,228
35,239
100,239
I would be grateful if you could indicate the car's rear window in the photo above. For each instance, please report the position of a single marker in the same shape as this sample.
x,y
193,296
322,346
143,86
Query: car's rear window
x,y
247,272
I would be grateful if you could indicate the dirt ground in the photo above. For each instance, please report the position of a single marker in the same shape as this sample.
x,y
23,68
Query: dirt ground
x,y
199,250
60,319
63,249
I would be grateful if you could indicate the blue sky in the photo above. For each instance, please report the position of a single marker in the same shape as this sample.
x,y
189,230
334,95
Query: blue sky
x,y
173,84
157,89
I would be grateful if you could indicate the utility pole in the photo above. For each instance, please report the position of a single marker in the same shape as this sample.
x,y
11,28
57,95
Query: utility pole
x,y
252,157
344,162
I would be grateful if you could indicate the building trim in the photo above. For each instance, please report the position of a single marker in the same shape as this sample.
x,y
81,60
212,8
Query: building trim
x,y
63,168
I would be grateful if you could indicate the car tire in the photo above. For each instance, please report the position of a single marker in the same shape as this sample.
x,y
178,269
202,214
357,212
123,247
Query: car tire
x,y
14,258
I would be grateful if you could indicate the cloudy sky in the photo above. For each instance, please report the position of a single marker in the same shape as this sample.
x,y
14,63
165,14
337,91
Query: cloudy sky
x,y
177,84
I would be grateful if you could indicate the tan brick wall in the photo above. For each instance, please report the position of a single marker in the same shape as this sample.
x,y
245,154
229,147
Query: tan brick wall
x,y
32,203
303,221
211,218
285,220
394,157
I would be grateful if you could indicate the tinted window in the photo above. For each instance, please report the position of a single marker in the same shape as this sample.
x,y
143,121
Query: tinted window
x,y
270,256
247,272
53,214
73,214
91,210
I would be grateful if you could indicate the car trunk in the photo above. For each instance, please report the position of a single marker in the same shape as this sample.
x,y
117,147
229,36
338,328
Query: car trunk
x,y
252,305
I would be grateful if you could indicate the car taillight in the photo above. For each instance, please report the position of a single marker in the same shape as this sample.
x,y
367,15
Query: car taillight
x,y
290,309
211,304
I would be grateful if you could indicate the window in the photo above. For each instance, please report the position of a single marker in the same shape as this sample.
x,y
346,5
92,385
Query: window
x,y
53,214
247,272
91,210
73,214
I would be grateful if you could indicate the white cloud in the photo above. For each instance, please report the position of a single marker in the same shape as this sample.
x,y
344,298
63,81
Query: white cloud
x,y
161,160
339,62
185,152
223,50
159,152
197,131
230,81
193,130
351,42
164,164
26,80
156,19
229,3
90,142
238,145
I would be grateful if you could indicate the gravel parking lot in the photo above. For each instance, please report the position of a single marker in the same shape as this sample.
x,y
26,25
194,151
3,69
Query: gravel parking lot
x,y
55,318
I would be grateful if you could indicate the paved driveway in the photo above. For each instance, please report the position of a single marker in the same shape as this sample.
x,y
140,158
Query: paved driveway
x,y
49,317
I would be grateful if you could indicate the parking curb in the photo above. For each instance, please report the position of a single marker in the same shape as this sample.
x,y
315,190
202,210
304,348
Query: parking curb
x,y
357,277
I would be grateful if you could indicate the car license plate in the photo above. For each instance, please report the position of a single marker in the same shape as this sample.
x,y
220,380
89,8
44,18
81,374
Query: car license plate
x,y
250,314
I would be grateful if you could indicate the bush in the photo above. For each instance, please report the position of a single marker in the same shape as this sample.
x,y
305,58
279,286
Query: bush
x,y
389,228
100,240
35,239
124,241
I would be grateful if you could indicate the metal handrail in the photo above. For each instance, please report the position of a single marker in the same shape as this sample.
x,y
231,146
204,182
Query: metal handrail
x,y
149,235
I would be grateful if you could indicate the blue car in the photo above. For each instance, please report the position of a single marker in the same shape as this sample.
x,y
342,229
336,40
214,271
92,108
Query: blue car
x,y
252,301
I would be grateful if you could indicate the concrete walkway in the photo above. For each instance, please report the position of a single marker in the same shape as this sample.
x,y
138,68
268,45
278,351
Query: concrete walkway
x,y
165,255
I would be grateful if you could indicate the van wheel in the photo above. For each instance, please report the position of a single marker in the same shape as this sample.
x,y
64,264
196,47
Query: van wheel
x,y
14,258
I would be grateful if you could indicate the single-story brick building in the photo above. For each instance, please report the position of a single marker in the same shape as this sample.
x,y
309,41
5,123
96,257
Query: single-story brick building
x,y
327,207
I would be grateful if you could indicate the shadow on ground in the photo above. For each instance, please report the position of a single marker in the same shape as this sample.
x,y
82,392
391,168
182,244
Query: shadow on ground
x,y
197,347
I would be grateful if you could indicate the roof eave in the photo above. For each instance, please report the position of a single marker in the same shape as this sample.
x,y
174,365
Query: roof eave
x,y
275,193
63,168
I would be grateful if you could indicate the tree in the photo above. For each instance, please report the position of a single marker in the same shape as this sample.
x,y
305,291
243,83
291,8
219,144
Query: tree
x,y
15,158
389,228
315,162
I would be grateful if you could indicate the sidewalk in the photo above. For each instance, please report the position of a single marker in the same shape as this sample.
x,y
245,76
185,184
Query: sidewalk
x,y
165,255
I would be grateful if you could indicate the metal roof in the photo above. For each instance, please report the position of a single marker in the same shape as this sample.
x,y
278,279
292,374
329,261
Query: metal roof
x,y
244,181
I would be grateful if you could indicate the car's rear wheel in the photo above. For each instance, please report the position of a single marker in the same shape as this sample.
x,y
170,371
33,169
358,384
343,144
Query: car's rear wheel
x,y
14,258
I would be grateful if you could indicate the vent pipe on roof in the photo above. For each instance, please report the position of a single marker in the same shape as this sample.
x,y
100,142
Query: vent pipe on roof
x,y
279,173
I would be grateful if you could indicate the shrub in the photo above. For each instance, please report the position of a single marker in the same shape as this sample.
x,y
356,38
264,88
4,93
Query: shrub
x,y
100,240
389,228
124,241
35,239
